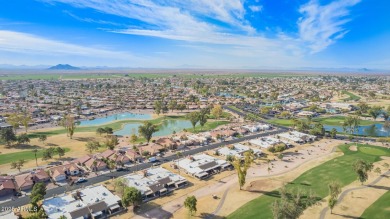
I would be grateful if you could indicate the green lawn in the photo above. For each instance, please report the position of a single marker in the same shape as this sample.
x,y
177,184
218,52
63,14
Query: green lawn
x,y
352,97
334,120
379,209
339,120
316,179
25,155
283,122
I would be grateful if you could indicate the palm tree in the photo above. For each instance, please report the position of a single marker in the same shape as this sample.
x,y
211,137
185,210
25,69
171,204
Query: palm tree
x,y
178,155
35,151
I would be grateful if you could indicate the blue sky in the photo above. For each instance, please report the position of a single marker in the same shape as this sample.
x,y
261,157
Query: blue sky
x,y
260,34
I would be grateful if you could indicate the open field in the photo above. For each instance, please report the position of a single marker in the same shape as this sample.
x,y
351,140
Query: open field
x,y
316,179
25,155
380,209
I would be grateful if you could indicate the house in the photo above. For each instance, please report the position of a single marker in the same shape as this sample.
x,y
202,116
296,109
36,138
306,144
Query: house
x,y
95,164
7,185
119,157
26,181
90,202
297,137
265,142
202,166
166,143
62,172
155,182
237,150
152,148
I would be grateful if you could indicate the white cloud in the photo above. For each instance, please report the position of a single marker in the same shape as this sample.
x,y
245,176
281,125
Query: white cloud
x,y
28,44
321,25
256,8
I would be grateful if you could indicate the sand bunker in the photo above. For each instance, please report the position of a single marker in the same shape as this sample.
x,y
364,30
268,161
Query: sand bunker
x,y
353,148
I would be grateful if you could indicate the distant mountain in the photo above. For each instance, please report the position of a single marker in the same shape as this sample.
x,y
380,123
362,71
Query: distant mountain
x,y
63,67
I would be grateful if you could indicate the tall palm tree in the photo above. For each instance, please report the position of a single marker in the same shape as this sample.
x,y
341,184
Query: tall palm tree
x,y
35,151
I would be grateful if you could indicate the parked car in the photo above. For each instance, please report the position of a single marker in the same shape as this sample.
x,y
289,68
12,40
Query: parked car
x,y
81,180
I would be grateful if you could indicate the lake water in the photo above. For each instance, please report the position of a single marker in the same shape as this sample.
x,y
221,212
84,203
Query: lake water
x,y
376,130
167,127
115,117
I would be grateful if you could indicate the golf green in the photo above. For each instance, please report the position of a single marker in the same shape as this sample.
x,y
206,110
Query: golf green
x,y
372,151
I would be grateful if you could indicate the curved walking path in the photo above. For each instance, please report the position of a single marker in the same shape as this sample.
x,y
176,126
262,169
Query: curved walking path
x,y
344,193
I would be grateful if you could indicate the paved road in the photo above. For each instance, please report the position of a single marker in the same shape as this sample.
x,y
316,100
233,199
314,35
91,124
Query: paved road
x,y
101,178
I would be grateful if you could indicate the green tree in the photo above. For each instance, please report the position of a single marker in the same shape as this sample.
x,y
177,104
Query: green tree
x,y
292,203
378,171
172,105
37,194
203,118
69,124
18,164
194,118
334,192
111,141
92,146
7,136
375,112
333,133
42,138
133,138
131,196
14,121
190,203
147,130
35,151
60,151
157,107
242,167
362,167
100,131
120,184
351,124
217,111
47,154
363,107
23,138
25,120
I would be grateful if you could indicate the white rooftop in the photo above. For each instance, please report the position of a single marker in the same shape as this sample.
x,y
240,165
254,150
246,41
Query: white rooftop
x,y
61,205
265,142
192,165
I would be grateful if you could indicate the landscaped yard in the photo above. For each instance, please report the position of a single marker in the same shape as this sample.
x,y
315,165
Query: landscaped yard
x,y
25,155
379,209
316,179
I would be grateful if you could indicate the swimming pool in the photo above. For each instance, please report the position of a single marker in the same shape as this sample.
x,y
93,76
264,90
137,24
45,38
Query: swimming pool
x,y
115,117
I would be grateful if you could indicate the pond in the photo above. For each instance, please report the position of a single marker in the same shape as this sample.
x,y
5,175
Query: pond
x,y
375,130
115,117
167,127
